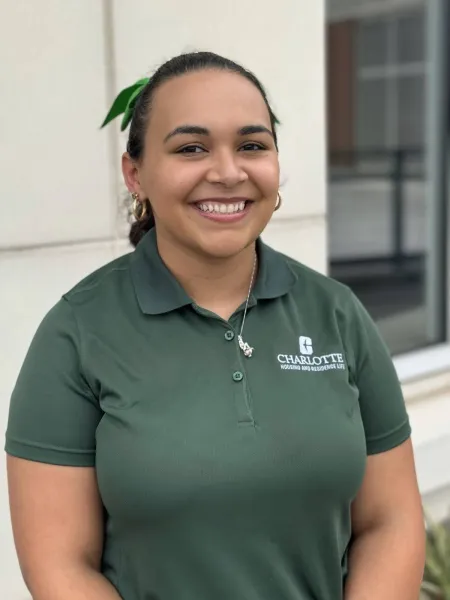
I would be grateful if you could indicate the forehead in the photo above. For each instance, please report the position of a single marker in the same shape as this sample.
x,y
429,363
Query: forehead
x,y
209,98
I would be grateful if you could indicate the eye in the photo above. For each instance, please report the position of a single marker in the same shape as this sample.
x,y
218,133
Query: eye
x,y
252,147
191,149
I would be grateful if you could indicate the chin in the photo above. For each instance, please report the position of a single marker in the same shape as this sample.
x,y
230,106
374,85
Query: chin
x,y
226,246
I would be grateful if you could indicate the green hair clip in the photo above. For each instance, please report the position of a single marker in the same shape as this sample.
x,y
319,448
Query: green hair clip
x,y
125,103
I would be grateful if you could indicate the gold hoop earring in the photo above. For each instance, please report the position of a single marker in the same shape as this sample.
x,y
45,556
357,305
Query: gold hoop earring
x,y
139,208
279,202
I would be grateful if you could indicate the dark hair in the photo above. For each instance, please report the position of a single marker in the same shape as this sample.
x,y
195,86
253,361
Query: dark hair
x,y
177,66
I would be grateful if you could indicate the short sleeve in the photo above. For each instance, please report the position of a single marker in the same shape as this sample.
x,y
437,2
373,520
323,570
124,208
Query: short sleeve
x,y
382,405
53,414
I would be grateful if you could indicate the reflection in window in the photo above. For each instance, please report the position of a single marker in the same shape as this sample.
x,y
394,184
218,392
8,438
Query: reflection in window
x,y
372,43
410,38
379,208
410,110
371,113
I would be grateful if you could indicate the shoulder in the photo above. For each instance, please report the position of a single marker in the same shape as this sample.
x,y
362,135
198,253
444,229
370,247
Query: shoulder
x,y
327,300
318,287
102,282
93,296
95,301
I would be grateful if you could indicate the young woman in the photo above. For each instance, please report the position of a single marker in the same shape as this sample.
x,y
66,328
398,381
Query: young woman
x,y
205,418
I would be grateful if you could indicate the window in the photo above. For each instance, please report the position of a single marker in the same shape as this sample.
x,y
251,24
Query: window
x,y
390,79
384,197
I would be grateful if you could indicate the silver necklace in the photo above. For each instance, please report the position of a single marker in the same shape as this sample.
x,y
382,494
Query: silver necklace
x,y
246,349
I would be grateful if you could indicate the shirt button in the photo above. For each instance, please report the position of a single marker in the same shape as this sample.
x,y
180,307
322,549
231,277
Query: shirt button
x,y
238,376
229,336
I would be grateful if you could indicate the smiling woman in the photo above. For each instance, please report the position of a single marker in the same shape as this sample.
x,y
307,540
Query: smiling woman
x,y
152,452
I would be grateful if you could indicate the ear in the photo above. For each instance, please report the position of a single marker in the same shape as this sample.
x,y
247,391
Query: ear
x,y
130,172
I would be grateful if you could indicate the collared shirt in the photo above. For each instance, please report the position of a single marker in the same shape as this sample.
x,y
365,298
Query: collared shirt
x,y
223,477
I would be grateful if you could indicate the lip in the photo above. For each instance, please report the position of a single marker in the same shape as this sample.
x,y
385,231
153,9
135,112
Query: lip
x,y
223,200
223,217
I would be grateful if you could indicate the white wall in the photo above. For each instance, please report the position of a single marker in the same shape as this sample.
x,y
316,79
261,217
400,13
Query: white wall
x,y
56,183
60,217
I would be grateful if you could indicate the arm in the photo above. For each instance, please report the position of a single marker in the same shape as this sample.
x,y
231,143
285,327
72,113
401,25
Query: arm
x,y
58,530
387,555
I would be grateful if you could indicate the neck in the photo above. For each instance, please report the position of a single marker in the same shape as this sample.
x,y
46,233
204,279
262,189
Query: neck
x,y
217,284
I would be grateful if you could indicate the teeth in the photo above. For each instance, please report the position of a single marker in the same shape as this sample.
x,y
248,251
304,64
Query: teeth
x,y
222,208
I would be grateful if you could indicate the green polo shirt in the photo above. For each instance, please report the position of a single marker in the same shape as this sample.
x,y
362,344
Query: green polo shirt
x,y
222,477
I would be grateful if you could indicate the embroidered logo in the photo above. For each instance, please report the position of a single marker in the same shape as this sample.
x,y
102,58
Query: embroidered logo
x,y
308,361
305,344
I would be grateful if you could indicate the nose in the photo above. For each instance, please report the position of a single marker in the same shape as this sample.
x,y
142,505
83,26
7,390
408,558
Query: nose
x,y
226,169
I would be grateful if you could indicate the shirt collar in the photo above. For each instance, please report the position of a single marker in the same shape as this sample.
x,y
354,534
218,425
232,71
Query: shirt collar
x,y
158,291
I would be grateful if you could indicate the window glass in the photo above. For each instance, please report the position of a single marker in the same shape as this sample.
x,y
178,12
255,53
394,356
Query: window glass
x,y
381,205
410,98
371,124
410,40
372,43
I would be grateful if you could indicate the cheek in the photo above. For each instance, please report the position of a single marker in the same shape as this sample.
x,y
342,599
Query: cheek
x,y
266,175
174,181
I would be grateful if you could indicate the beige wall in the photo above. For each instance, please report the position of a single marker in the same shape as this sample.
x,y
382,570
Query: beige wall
x,y
56,177
61,187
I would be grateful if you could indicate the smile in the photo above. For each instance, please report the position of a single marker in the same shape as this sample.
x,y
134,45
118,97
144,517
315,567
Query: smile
x,y
225,210
222,208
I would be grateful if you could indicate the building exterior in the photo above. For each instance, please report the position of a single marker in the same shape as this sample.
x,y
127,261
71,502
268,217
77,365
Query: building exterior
x,y
62,212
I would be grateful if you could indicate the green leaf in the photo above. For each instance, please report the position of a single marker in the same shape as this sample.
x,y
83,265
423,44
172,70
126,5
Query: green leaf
x,y
121,102
128,112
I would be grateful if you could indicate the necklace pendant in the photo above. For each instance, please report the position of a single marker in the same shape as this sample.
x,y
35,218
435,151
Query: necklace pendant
x,y
246,349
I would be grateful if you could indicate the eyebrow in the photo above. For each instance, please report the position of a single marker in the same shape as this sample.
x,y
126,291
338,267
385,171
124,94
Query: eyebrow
x,y
250,129
197,130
